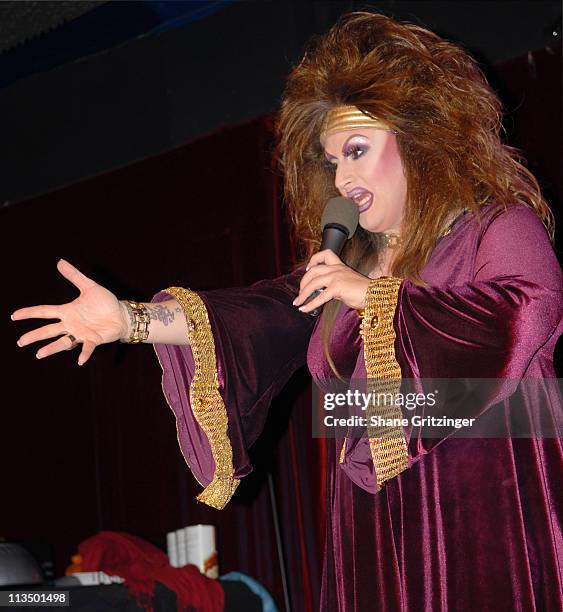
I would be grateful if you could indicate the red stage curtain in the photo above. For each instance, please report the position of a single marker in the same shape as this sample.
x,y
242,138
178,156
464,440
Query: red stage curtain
x,y
95,447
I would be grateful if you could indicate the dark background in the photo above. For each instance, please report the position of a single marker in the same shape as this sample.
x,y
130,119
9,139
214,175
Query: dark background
x,y
136,143
123,82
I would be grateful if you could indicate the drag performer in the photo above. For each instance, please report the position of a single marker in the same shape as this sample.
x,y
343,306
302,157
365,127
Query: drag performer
x,y
450,274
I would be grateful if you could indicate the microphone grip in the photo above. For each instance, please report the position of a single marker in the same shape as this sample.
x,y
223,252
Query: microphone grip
x,y
317,311
334,237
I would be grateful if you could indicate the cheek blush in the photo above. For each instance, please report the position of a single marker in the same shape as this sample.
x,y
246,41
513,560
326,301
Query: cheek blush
x,y
389,162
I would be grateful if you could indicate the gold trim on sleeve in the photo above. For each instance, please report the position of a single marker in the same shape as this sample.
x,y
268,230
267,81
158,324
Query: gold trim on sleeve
x,y
206,401
343,451
388,445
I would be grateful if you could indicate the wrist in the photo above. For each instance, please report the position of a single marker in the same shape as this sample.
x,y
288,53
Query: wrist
x,y
361,305
138,322
126,321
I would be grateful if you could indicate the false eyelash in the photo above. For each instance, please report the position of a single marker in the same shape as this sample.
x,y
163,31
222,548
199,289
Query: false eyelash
x,y
354,150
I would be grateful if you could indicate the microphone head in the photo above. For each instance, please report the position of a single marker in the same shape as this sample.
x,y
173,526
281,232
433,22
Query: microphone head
x,y
341,211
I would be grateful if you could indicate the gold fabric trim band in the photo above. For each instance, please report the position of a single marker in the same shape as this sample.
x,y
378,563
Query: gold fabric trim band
x,y
347,117
388,445
206,401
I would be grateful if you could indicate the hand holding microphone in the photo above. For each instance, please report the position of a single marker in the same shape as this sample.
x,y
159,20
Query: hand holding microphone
x,y
327,277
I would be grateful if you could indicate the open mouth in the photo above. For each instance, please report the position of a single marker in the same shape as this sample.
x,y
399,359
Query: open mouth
x,y
363,200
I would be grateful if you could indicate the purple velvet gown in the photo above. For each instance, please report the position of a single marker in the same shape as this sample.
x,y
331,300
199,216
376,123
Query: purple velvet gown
x,y
471,524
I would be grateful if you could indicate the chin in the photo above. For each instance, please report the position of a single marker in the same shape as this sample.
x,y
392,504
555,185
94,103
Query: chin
x,y
372,227
377,224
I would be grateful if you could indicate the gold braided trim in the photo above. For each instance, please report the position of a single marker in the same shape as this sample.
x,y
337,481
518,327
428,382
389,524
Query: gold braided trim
x,y
343,451
388,445
206,401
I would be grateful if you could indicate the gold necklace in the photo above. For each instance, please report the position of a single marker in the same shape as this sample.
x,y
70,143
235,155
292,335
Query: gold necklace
x,y
391,241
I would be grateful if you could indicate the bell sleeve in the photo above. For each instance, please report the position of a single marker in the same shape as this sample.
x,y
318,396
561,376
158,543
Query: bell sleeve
x,y
491,328
243,346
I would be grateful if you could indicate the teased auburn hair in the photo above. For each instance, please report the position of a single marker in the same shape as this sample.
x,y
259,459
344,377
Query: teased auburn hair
x,y
448,123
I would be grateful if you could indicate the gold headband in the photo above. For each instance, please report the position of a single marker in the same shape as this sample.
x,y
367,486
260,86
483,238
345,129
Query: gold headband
x,y
347,117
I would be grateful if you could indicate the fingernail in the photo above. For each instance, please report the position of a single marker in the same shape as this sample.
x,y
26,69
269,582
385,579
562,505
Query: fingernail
x,y
18,343
38,356
307,269
293,303
12,317
300,308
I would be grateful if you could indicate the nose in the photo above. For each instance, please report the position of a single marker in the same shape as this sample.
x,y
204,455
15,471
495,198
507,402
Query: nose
x,y
342,178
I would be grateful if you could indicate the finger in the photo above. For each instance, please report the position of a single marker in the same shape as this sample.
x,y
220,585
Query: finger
x,y
36,312
62,344
74,275
312,273
320,282
321,299
42,333
319,270
87,350
326,256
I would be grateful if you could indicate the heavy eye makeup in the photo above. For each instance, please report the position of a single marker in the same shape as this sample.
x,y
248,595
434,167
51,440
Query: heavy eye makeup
x,y
355,147
355,151
351,150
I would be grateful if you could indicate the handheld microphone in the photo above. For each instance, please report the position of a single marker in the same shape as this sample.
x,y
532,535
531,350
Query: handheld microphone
x,y
338,223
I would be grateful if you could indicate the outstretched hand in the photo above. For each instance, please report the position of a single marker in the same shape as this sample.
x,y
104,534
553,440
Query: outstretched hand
x,y
95,317
326,270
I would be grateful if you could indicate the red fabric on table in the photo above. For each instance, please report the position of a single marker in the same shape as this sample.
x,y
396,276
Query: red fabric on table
x,y
140,564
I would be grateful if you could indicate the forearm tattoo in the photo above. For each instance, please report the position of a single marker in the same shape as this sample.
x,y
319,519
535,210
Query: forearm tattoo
x,y
159,312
